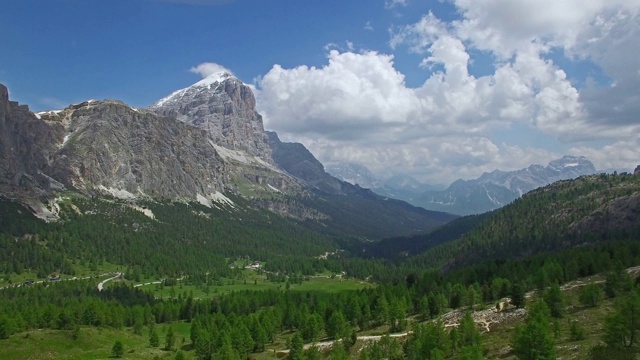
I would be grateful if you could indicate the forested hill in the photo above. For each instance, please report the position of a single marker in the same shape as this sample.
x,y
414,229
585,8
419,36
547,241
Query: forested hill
x,y
584,211
156,238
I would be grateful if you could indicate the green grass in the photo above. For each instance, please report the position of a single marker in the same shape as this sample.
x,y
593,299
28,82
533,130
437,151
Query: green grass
x,y
80,272
92,343
251,280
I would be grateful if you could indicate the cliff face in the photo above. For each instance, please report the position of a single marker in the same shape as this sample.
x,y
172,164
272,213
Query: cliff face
x,y
127,152
25,148
225,108
108,147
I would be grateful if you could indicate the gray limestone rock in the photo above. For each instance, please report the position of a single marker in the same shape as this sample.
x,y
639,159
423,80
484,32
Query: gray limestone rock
x,y
129,152
25,148
225,108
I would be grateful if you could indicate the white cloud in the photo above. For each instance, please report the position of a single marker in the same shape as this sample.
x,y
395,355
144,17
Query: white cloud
x,y
368,26
352,93
207,68
618,155
390,4
357,108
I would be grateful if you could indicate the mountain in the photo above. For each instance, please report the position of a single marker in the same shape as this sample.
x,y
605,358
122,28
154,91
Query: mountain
x,y
498,188
586,211
401,187
345,201
24,150
224,107
202,144
354,174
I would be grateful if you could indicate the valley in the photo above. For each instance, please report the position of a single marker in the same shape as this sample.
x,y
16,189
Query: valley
x,y
184,230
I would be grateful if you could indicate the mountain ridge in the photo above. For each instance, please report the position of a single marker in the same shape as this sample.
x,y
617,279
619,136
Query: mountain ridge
x,y
108,148
493,190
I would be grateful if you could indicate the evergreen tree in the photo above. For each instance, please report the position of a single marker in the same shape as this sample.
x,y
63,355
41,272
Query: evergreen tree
x,y
118,349
591,295
534,340
227,352
170,339
517,295
5,328
296,347
336,325
338,352
312,353
576,331
622,327
555,301
154,340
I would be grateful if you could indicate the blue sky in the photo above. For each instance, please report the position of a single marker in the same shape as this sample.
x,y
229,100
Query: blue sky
x,y
439,90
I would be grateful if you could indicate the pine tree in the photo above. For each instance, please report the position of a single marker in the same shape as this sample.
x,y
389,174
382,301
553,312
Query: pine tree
x,y
591,295
517,295
555,301
154,340
622,327
118,349
534,340
296,347
170,339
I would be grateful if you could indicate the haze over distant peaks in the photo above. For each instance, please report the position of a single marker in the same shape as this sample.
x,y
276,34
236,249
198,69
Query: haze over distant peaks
x,y
498,188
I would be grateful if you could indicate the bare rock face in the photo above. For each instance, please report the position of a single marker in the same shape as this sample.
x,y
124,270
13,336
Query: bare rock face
x,y
108,147
636,172
25,147
129,152
225,108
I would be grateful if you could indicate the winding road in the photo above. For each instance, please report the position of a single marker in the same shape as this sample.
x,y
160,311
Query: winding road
x,y
101,283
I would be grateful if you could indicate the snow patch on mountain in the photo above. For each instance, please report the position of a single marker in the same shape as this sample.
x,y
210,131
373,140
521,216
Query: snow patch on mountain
x,y
211,82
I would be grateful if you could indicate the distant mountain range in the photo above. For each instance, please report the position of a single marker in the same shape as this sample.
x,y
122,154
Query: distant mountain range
x,y
498,188
465,197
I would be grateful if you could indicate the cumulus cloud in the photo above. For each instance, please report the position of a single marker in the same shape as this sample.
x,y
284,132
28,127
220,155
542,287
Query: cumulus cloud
x,y
354,92
358,108
207,68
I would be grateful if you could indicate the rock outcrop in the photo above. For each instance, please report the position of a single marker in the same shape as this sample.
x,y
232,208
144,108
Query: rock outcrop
x,y
637,171
25,148
224,107
128,152
299,162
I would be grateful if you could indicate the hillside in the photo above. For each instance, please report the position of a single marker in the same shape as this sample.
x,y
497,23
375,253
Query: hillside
x,y
585,211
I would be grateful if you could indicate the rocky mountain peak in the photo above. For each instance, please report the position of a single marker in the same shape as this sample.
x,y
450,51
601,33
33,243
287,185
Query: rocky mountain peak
x,y
224,107
498,188
637,171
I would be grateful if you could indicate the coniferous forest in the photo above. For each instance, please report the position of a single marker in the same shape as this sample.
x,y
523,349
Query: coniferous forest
x,y
545,265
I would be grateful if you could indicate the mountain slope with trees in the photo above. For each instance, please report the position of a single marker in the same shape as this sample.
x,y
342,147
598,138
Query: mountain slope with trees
x,y
582,212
